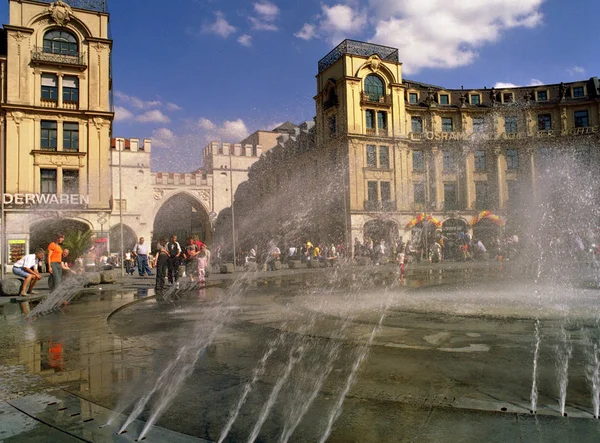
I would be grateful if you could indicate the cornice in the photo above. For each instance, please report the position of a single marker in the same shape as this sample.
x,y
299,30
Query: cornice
x,y
19,29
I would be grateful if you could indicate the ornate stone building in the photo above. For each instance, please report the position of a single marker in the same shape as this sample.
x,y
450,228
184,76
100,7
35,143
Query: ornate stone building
x,y
56,119
392,156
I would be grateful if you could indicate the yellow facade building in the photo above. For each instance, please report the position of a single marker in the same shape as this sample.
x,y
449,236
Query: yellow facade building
x,y
388,153
56,119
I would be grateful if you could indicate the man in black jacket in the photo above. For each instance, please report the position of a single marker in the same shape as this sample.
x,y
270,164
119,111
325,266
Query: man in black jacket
x,y
174,260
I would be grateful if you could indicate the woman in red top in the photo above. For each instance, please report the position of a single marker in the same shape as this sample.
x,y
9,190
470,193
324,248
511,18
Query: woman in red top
x,y
55,259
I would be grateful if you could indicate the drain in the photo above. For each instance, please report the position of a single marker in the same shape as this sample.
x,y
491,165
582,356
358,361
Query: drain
x,y
503,409
87,420
75,414
63,409
52,403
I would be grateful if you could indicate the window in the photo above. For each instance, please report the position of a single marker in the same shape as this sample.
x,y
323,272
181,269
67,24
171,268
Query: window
x,y
512,159
48,181
480,163
70,136
370,115
384,157
70,87
48,135
70,181
544,122
478,124
49,87
513,190
386,191
481,195
475,99
510,124
332,123
444,99
372,192
581,119
413,97
450,197
416,124
419,191
448,160
446,124
374,87
60,42
507,97
542,96
578,91
382,121
418,161
371,156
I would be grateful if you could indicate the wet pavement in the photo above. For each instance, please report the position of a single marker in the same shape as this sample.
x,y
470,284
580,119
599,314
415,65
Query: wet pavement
x,y
451,360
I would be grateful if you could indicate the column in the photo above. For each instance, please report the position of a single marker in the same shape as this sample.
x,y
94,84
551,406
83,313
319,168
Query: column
x,y
468,165
60,93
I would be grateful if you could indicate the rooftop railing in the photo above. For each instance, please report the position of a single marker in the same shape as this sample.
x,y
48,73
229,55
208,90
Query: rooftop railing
x,y
354,47
90,5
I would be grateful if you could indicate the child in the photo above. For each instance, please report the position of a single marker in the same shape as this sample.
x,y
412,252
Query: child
x,y
401,260
202,258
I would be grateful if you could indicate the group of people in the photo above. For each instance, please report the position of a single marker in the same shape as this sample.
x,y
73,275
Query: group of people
x,y
167,257
301,251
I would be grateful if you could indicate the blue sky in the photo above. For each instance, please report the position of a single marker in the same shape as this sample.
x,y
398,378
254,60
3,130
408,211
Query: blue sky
x,y
190,71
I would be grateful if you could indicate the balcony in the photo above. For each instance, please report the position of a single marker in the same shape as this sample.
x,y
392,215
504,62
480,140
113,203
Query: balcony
x,y
72,105
366,98
380,206
38,55
49,103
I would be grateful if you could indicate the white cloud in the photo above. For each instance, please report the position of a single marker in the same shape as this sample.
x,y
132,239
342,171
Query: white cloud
x,y
340,21
245,40
163,137
307,32
136,102
260,25
122,114
505,85
535,82
436,33
220,27
153,116
576,70
230,131
173,107
267,10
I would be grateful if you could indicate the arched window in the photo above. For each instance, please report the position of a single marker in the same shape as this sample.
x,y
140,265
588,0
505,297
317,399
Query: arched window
x,y
60,42
374,87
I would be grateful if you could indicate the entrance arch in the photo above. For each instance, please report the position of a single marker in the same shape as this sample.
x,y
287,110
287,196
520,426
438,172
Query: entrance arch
x,y
114,238
453,229
182,215
41,234
378,230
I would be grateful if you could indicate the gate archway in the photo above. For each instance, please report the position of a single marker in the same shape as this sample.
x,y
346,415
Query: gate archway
x,y
182,215
114,238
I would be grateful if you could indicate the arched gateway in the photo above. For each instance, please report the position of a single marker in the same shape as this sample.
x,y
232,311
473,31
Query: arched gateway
x,y
184,215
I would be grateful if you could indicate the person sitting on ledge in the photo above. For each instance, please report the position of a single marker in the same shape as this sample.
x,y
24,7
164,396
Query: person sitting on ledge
x,y
27,268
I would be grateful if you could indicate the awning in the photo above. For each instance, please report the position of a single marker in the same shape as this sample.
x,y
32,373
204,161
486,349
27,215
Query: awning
x,y
487,215
421,218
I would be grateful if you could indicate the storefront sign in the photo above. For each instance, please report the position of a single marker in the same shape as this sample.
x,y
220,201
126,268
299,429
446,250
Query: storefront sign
x,y
460,136
46,199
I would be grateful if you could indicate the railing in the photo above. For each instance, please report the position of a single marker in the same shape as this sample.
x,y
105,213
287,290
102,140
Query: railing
x,y
354,47
380,206
73,105
48,103
90,5
365,97
76,59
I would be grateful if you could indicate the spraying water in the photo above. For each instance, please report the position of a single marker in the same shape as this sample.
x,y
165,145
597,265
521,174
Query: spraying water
x,y
61,296
564,351
593,373
536,353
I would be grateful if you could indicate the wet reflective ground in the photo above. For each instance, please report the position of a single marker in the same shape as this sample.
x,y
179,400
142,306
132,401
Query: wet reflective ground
x,y
454,348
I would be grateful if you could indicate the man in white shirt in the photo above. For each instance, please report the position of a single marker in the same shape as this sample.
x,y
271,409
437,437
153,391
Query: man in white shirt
x,y
27,268
141,252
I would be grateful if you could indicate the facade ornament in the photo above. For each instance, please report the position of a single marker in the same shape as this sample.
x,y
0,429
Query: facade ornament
x,y
430,99
528,95
99,47
374,62
463,100
564,119
18,117
98,122
60,12
562,90
158,193
58,160
19,36
493,96
204,194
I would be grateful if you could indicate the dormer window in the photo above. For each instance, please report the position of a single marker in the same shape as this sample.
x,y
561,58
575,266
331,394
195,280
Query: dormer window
x,y
413,98
60,42
541,96
578,91
475,99
444,99
507,97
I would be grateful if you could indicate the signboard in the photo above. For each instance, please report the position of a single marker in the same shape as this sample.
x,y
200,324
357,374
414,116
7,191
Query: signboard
x,y
45,199
460,136
16,250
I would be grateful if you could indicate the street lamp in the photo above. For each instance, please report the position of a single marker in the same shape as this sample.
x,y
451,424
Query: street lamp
x,y
121,208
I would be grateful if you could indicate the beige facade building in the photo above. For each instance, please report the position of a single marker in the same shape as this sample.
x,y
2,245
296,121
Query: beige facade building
x,y
388,153
56,119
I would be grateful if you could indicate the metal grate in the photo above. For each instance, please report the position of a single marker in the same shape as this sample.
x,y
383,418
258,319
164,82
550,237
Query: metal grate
x,y
355,47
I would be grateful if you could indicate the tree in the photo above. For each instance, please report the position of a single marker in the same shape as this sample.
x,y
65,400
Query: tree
x,y
78,242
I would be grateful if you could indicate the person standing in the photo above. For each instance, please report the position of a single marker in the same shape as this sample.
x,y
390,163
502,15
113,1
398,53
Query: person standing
x,y
160,263
27,268
141,252
55,259
202,259
402,264
191,257
174,250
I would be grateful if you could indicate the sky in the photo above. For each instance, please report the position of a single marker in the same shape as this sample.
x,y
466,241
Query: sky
x,y
187,72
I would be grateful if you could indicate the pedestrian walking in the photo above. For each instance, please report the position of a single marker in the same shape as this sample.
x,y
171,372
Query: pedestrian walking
x,y
141,252
160,263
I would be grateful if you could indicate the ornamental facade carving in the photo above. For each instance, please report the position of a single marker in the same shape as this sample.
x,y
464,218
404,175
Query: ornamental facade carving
x,y
158,193
204,195
60,12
